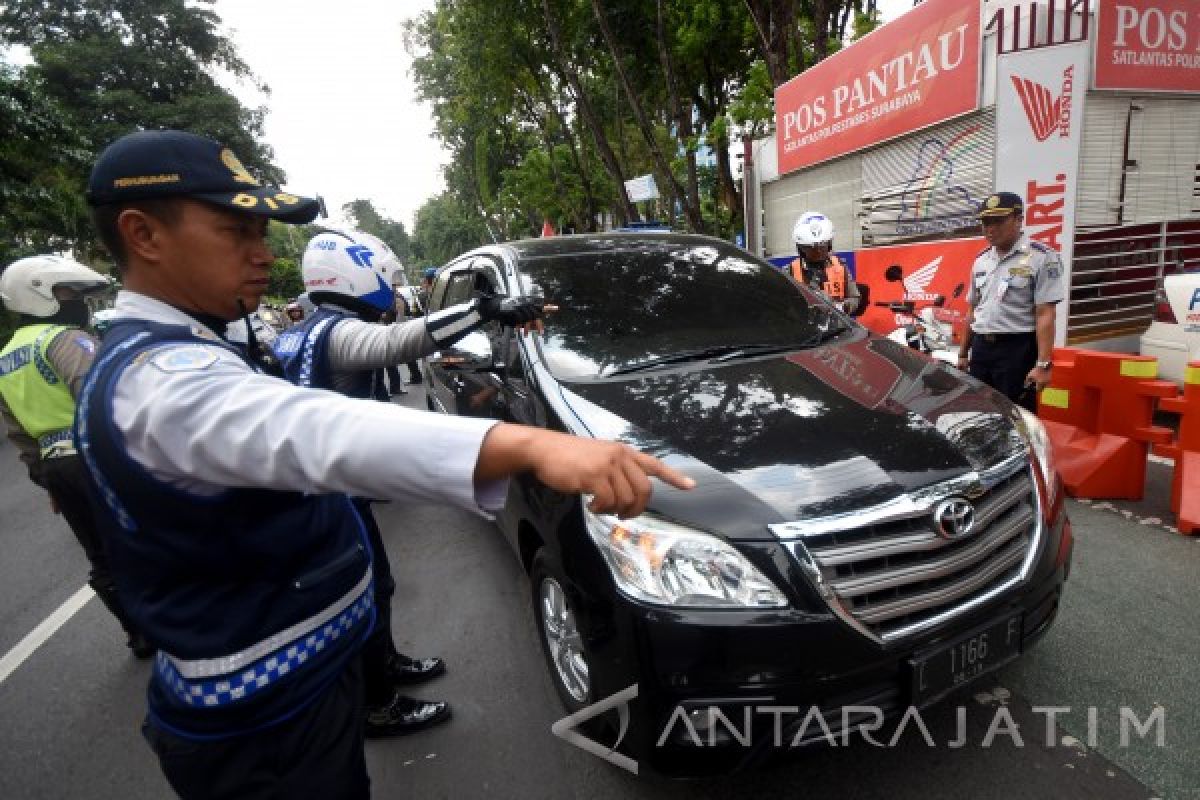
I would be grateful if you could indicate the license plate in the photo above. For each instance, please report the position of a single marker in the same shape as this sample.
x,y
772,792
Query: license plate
x,y
965,659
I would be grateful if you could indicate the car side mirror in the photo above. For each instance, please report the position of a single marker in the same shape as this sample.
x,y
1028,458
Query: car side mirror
x,y
472,353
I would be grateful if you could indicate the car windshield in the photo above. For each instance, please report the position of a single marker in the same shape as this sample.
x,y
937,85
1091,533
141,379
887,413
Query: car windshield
x,y
645,304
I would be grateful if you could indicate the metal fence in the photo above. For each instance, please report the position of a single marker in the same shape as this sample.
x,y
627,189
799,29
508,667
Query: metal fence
x,y
1117,271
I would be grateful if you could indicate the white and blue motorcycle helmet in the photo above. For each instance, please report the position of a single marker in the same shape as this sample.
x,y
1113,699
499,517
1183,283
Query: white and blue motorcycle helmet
x,y
350,269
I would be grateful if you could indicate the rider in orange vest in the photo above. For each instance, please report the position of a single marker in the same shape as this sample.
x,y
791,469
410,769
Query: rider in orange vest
x,y
817,267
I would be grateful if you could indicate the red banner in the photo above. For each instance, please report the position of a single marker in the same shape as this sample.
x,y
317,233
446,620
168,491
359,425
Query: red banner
x,y
917,273
1148,45
919,69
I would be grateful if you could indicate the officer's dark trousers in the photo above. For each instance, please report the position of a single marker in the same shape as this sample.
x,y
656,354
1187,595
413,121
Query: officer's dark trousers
x,y
1003,361
380,645
66,481
395,385
316,753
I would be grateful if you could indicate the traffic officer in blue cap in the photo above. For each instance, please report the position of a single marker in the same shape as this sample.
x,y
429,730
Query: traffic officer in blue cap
x,y
342,348
225,492
1015,286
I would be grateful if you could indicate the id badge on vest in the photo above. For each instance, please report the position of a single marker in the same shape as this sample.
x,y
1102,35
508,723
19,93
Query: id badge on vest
x,y
1002,289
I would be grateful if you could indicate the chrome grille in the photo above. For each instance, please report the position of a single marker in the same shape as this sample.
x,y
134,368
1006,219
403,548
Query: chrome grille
x,y
889,574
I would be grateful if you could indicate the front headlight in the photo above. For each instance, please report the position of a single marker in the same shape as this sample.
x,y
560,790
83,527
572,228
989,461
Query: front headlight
x,y
1039,442
666,564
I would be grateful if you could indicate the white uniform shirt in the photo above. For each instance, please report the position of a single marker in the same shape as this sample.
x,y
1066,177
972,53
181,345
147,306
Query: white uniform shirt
x,y
199,418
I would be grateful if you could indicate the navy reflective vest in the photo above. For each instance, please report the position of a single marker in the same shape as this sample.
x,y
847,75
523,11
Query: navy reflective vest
x,y
256,598
304,353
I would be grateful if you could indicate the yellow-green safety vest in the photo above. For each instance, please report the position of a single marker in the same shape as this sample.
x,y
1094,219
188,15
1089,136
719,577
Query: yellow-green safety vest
x,y
39,399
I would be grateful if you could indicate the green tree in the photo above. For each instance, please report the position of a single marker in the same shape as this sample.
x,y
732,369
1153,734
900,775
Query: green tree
x,y
365,217
121,65
42,155
103,68
445,228
285,281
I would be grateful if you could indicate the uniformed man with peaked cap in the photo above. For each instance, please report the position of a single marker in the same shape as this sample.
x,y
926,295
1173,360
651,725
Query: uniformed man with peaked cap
x,y
226,491
1015,286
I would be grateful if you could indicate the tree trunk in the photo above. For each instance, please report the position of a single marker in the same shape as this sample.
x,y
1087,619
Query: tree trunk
x,y
568,137
625,208
683,121
639,114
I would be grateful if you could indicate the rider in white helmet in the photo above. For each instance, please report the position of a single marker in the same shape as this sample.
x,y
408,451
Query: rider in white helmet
x,y
818,267
41,371
348,275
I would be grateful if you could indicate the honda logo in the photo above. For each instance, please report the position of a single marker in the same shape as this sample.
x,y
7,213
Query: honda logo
x,y
953,518
1046,113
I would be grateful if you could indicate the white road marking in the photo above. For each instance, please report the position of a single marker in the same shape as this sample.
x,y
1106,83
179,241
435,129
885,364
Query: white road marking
x,y
1170,462
38,636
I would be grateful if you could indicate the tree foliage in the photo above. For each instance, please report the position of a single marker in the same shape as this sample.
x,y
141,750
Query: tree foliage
x,y
285,281
101,69
445,228
549,106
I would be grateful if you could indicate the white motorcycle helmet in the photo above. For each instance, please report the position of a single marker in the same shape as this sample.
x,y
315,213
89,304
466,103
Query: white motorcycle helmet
x,y
27,286
813,228
351,269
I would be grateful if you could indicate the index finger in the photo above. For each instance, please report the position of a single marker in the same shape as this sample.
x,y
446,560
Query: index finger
x,y
652,466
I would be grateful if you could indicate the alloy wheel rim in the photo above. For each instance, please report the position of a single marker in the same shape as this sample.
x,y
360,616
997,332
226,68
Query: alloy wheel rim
x,y
563,641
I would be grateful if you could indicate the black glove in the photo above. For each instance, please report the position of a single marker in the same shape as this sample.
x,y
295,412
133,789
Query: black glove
x,y
510,311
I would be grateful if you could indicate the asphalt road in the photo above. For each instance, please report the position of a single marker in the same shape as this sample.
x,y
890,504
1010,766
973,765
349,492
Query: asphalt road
x,y
1126,636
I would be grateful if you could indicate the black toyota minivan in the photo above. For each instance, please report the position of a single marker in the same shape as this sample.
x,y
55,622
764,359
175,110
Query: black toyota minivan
x,y
869,527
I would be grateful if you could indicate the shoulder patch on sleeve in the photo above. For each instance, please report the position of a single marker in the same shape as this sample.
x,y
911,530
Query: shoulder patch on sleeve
x,y
1041,248
188,358
85,343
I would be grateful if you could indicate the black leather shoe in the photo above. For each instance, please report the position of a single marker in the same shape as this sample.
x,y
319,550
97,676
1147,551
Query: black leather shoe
x,y
401,715
404,670
139,646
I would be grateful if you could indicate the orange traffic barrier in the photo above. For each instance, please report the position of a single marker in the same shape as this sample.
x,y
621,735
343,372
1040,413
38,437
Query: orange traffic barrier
x,y
1185,450
1099,415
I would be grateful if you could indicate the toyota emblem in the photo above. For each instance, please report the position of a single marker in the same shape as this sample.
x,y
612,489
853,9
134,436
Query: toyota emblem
x,y
953,518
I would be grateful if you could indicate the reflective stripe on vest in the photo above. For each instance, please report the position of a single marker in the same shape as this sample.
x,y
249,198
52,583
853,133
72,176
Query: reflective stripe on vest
x,y
37,397
232,678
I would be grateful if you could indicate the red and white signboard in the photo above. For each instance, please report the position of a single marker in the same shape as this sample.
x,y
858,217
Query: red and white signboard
x,y
1039,117
920,274
1148,45
917,70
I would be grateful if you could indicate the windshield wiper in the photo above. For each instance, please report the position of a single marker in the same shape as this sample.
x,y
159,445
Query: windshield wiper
x,y
822,335
699,354
750,350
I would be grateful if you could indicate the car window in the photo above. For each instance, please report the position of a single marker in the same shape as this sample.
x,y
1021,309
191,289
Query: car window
x,y
490,279
438,293
618,308
460,288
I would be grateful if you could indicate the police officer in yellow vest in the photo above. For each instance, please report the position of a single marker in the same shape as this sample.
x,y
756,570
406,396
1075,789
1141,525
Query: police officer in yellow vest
x,y
41,370
817,267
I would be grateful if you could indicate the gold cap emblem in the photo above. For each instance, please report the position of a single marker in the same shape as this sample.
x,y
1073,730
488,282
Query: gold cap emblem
x,y
235,166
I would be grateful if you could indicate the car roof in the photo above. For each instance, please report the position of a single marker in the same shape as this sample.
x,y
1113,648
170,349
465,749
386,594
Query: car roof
x,y
580,244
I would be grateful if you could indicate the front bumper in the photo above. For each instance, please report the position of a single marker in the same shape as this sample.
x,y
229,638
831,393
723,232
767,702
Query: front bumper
x,y
688,662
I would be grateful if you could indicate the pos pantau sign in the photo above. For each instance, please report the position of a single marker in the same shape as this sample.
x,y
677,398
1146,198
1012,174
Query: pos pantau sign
x,y
1148,45
917,70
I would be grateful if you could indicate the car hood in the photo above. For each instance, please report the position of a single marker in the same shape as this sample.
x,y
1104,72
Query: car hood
x,y
816,432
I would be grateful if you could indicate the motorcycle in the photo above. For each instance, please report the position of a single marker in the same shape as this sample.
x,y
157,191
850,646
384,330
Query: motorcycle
x,y
929,331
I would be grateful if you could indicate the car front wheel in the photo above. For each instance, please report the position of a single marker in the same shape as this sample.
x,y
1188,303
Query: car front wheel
x,y
562,642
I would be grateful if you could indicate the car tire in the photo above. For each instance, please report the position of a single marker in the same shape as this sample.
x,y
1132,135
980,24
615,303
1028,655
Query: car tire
x,y
563,645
